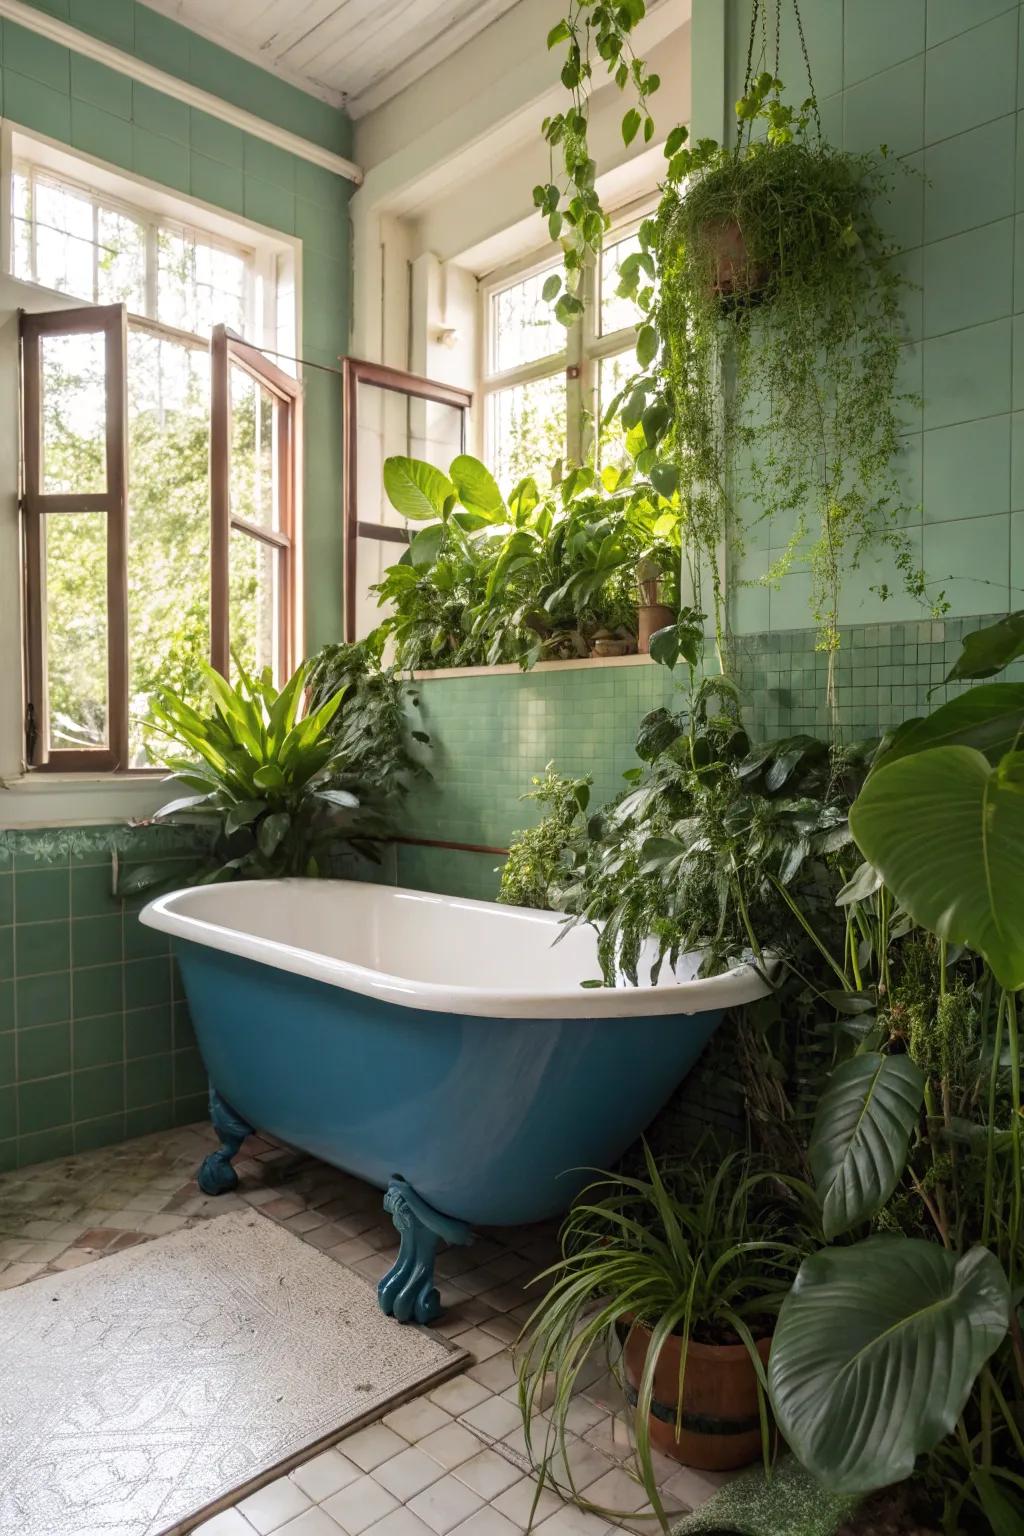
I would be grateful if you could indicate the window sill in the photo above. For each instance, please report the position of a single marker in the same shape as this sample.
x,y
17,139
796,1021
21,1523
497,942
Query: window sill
x,y
80,799
512,669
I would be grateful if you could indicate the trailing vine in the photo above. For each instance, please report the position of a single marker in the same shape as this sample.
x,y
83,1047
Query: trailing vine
x,y
769,350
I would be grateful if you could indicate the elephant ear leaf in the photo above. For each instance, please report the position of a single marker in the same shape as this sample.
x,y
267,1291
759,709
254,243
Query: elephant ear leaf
x,y
416,489
861,1134
946,832
875,1352
987,651
477,488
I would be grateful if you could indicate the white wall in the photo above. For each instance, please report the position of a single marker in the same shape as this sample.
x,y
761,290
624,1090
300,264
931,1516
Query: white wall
x,y
450,166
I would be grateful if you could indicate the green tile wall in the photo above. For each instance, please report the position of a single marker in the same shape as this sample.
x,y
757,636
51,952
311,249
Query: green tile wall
x,y
94,109
940,82
95,1038
490,734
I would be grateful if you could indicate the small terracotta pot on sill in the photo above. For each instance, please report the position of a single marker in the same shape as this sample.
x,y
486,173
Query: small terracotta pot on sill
x,y
650,618
721,1428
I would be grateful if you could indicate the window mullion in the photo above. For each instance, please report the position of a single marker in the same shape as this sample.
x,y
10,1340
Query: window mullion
x,y
152,268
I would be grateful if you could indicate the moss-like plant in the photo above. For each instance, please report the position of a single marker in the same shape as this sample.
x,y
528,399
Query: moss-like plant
x,y
538,858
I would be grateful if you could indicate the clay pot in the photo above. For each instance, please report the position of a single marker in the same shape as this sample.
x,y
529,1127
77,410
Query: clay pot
x,y
650,618
721,1429
736,277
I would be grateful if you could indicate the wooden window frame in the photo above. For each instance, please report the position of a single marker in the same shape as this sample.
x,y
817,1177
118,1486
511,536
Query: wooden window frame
x,y
111,321
356,371
227,350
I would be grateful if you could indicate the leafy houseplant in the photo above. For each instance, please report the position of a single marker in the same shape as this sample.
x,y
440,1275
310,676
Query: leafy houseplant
x,y
487,581
537,855
260,776
678,1274
914,1333
768,356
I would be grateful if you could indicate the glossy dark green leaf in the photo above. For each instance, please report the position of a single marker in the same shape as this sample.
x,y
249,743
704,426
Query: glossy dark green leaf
x,y
987,651
862,1130
989,718
946,832
875,1353
271,832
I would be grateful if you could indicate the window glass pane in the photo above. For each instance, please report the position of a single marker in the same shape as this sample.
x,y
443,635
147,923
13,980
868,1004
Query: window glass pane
x,y
527,429
616,312
523,324
612,374
199,284
74,451
253,451
75,613
21,227
168,523
121,260
64,237
254,611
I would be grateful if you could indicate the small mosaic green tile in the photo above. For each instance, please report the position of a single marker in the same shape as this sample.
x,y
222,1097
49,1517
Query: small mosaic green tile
x,y
149,1081
148,1031
43,999
97,940
44,1105
98,989
97,1092
98,1040
41,947
41,895
44,1051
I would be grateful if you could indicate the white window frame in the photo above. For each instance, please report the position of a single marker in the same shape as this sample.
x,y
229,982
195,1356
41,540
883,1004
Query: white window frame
x,y
585,346
33,798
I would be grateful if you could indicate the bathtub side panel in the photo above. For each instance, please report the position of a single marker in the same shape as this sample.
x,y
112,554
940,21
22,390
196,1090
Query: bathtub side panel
x,y
486,1118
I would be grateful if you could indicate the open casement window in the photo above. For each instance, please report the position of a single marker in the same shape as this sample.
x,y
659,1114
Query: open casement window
x,y
254,476
387,412
75,521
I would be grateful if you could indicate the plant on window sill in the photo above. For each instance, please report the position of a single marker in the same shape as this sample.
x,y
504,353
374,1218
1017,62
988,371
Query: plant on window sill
x,y
539,577
769,355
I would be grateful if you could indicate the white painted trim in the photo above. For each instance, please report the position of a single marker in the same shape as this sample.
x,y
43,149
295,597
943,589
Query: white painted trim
x,y
512,669
179,90
76,799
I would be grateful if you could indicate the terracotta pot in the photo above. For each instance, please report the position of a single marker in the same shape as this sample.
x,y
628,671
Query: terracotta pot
x,y
735,276
650,618
721,1429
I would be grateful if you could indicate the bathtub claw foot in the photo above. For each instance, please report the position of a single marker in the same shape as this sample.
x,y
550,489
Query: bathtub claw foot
x,y
216,1175
407,1292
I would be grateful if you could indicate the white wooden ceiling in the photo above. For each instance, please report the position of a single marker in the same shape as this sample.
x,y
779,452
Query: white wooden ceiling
x,y
356,53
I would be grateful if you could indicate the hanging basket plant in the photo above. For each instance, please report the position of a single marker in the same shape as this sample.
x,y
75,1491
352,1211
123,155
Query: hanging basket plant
x,y
770,346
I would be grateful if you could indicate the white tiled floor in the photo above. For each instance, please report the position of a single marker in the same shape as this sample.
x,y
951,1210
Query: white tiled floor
x,y
452,1463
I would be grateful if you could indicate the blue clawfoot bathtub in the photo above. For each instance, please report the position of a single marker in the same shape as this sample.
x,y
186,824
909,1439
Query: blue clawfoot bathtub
x,y
442,1049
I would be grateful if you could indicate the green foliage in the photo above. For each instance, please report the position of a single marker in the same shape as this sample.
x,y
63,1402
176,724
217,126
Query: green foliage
x,y
767,362
261,776
876,1352
861,1134
485,581
536,856
379,747
704,1251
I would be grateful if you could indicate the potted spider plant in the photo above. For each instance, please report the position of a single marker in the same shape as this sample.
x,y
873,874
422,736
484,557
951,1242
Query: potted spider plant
x,y
677,1274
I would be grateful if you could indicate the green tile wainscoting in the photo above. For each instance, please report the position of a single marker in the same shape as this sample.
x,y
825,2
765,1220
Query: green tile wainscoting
x,y
490,734
95,1038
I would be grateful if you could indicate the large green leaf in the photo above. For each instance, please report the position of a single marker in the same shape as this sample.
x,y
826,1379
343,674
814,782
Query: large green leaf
x,y
876,1349
987,651
861,1134
989,718
417,490
477,487
946,832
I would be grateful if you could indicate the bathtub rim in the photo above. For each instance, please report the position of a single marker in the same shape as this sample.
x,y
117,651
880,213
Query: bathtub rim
x,y
739,985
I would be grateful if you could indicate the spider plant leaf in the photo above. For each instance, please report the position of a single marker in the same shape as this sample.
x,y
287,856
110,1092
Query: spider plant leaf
x,y
946,832
861,1134
876,1351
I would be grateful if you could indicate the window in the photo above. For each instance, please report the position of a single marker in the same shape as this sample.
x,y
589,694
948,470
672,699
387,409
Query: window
x,y
546,389
160,467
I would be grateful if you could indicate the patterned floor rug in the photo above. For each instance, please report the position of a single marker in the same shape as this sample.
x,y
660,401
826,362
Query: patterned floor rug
x,y
163,1382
